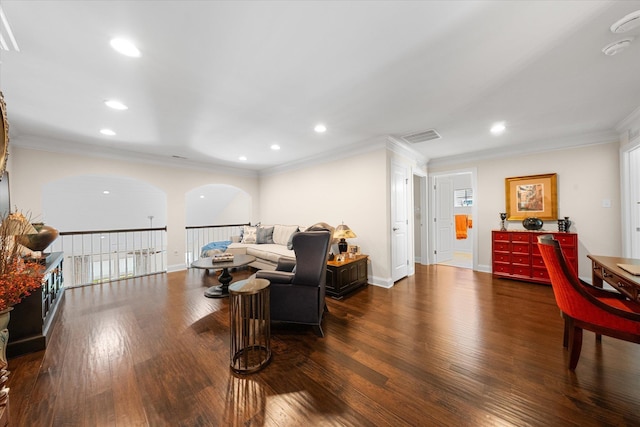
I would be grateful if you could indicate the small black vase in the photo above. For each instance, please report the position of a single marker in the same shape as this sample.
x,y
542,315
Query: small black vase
x,y
567,224
532,223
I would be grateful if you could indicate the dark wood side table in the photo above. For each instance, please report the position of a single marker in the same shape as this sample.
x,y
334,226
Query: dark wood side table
x,y
346,276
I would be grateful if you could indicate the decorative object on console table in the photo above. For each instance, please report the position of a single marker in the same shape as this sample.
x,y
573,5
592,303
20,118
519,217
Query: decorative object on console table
x,y
532,223
343,232
561,226
534,195
346,276
516,255
567,223
39,240
503,221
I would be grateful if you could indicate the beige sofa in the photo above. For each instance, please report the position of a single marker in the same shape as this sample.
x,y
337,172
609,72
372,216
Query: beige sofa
x,y
268,246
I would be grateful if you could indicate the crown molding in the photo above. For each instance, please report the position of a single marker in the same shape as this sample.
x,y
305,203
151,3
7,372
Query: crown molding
x,y
401,148
628,122
596,138
362,147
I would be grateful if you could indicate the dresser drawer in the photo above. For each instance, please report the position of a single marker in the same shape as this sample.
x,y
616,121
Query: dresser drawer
x,y
521,270
520,237
522,248
522,259
499,235
501,268
565,240
540,273
502,257
501,246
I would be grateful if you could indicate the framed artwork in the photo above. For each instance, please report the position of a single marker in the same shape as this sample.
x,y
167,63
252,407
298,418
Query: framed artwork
x,y
532,196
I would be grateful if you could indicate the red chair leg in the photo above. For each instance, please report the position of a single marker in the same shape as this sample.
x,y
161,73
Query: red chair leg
x,y
575,346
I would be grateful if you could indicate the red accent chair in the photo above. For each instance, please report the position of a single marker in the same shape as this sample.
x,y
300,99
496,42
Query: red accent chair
x,y
586,307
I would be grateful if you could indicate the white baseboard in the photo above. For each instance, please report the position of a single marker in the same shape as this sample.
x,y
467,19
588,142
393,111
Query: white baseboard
x,y
176,267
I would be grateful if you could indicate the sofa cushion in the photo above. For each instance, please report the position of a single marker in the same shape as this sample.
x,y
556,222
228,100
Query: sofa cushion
x,y
264,235
269,252
281,234
249,235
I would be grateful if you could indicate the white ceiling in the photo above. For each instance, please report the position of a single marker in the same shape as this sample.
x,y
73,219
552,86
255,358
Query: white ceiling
x,y
217,80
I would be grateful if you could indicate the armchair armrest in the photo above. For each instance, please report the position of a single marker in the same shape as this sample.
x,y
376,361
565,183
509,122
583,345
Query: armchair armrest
x,y
286,264
283,277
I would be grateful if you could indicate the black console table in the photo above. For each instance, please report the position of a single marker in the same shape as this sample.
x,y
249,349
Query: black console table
x,y
33,318
346,276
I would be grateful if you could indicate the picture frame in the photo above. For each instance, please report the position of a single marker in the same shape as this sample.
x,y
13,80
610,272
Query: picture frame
x,y
353,249
532,196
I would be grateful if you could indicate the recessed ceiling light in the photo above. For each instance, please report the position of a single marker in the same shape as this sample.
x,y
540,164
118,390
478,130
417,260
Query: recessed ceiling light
x,y
107,132
275,147
498,128
320,128
115,104
105,192
202,196
628,23
125,47
242,158
617,47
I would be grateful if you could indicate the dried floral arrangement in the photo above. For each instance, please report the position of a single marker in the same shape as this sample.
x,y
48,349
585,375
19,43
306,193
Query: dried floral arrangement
x,y
18,276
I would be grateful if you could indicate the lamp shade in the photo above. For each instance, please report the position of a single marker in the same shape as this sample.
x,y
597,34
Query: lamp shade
x,y
344,232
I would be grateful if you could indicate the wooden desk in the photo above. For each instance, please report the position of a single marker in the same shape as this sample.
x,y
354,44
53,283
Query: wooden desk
x,y
604,269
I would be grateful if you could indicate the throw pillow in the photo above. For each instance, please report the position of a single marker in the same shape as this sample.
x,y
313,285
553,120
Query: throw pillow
x,y
249,235
264,235
290,242
281,233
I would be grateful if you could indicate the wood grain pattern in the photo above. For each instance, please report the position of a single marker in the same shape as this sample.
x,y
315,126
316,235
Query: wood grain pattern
x,y
446,347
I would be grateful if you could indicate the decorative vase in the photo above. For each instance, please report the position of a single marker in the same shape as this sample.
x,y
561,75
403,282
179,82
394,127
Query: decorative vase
x,y
503,222
5,316
561,225
38,242
532,223
567,224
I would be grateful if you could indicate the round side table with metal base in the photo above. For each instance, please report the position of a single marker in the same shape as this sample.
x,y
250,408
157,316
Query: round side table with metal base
x,y
250,325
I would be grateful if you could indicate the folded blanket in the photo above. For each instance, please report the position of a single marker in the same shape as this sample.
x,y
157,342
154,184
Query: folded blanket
x,y
214,247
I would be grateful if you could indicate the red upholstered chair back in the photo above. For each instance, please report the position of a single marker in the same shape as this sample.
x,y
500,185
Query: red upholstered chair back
x,y
575,300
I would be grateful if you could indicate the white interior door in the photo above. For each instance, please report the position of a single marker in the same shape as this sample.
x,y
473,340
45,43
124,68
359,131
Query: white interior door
x,y
444,219
634,200
399,222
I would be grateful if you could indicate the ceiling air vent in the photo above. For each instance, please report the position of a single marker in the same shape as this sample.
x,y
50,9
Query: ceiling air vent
x,y
427,135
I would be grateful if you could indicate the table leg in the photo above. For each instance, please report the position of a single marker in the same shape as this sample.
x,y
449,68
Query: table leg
x,y
222,290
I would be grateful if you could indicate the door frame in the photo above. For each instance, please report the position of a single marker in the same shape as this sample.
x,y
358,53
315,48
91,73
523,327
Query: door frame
x,y
424,215
626,196
433,209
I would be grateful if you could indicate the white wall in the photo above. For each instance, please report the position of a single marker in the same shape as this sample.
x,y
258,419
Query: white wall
x,y
353,190
217,204
30,171
586,177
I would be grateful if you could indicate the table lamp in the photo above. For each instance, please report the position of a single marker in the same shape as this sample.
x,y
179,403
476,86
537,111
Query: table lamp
x,y
343,232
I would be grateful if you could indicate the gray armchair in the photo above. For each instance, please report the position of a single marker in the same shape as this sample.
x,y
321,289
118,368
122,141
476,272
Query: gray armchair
x,y
298,286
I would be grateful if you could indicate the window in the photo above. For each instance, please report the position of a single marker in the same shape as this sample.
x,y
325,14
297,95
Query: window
x,y
462,197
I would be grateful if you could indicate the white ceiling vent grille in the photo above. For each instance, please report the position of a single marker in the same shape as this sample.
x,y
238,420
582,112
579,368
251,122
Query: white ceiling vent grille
x,y
427,135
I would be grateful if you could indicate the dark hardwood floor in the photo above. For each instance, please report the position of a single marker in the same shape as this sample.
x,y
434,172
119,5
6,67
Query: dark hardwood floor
x,y
446,347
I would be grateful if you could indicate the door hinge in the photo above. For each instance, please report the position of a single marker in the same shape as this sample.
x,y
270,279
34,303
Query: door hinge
x,y
435,252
